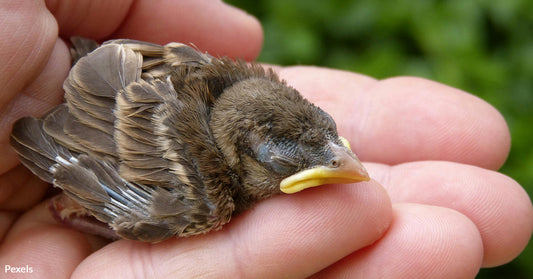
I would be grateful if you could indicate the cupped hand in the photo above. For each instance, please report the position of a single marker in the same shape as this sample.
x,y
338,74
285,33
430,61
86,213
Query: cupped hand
x,y
436,207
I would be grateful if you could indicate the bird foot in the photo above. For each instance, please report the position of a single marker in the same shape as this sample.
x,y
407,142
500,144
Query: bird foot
x,y
68,212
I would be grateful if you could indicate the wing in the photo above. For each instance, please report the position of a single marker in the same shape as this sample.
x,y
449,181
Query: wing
x,y
123,147
94,82
180,155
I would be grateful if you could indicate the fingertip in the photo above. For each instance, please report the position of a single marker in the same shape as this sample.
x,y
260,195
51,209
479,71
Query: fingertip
x,y
444,241
431,121
507,222
422,242
499,207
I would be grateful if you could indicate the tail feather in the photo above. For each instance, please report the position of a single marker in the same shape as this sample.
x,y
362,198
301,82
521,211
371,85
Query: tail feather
x,y
38,151
30,155
41,172
81,47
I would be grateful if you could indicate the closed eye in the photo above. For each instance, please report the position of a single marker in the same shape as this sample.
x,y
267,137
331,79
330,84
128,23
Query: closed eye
x,y
283,165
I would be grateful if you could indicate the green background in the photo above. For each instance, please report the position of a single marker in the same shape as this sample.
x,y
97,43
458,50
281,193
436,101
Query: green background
x,y
482,47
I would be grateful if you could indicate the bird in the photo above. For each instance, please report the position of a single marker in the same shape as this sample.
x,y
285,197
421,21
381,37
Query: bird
x,y
158,141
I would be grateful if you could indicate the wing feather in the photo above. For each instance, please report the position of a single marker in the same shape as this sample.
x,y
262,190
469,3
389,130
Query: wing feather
x,y
132,144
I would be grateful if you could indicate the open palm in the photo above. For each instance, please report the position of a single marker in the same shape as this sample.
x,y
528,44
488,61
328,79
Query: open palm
x,y
436,207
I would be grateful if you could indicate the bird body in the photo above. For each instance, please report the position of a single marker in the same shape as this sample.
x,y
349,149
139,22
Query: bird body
x,y
160,141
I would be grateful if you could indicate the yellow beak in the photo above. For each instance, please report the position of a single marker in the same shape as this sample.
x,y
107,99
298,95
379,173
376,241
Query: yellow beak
x,y
346,169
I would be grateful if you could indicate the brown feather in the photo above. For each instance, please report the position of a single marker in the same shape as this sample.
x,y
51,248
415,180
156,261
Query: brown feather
x,y
38,151
81,47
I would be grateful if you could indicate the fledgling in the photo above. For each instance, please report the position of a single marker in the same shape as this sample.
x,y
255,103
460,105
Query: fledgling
x,y
161,141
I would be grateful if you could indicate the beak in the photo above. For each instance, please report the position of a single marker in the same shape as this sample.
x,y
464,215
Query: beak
x,y
345,168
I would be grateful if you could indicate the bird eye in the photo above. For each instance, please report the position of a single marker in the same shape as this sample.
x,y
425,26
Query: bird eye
x,y
277,158
282,165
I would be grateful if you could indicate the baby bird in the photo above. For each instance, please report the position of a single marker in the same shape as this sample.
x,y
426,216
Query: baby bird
x,y
161,141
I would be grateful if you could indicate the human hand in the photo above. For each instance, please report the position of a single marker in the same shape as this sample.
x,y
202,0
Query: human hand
x,y
420,218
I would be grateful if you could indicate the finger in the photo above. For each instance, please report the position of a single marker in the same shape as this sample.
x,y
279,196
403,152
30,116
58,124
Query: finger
x,y
422,242
6,221
35,98
212,26
20,189
407,119
31,77
38,242
286,236
35,66
488,198
95,19
27,38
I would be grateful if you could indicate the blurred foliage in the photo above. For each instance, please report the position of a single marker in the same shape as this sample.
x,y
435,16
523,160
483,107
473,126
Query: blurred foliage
x,y
481,46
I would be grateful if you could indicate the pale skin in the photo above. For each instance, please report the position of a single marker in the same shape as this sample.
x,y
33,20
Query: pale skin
x,y
435,208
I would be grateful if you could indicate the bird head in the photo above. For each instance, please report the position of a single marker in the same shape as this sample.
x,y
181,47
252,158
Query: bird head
x,y
277,141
